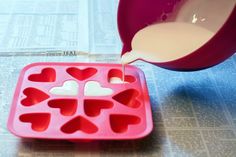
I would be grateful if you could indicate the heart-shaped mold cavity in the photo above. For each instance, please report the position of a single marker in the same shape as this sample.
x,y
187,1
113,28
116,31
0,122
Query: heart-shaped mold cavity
x,y
79,123
39,121
46,75
93,88
69,88
33,96
120,123
93,107
128,98
67,106
81,74
115,76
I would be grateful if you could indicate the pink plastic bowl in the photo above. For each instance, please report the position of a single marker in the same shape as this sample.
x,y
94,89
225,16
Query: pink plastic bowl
x,y
219,15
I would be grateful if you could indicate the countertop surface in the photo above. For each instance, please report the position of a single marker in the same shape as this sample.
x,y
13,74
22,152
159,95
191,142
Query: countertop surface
x,y
194,113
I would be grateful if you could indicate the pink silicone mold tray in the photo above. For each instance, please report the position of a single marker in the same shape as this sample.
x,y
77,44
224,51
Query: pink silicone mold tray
x,y
60,101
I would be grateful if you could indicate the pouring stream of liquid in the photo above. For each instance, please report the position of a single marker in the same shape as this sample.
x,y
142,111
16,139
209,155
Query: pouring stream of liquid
x,y
166,42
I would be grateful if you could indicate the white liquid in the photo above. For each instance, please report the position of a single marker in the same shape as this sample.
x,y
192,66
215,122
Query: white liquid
x,y
166,42
69,88
117,80
93,88
123,72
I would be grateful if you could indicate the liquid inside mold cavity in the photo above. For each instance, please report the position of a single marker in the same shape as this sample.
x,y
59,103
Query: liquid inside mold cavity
x,y
94,88
166,42
117,80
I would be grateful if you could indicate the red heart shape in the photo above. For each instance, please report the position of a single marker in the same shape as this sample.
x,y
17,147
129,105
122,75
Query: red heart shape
x,y
33,96
67,106
128,98
93,107
81,74
46,75
119,123
79,123
119,74
39,121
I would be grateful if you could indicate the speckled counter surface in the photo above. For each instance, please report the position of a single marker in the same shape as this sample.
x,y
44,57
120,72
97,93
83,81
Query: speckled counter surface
x,y
194,113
